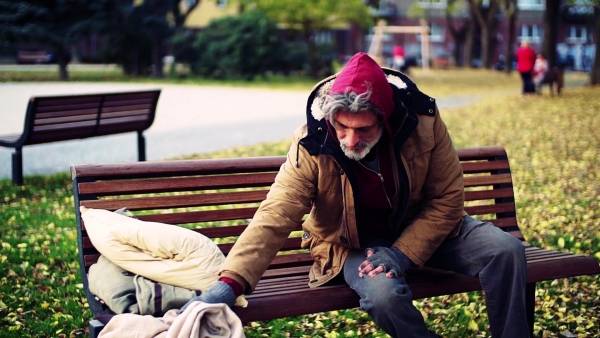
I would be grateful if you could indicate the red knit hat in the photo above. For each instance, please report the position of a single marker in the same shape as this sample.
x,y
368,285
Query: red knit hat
x,y
360,70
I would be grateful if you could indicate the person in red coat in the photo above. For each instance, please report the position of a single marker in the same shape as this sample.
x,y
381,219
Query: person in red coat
x,y
398,57
525,60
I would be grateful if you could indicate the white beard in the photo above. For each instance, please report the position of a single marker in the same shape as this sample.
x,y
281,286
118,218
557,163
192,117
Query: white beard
x,y
359,155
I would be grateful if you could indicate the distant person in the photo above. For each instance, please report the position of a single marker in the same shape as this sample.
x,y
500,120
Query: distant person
x,y
525,62
540,68
398,60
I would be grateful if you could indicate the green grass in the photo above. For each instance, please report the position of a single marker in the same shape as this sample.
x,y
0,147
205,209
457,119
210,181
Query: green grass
x,y
114,74
438,83
554,147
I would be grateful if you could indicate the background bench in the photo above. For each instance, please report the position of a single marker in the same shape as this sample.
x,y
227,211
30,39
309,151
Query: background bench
x,y
35,56
218,197
60,118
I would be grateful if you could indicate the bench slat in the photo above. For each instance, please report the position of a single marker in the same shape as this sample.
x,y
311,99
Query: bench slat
x,y
478,181
284,261
68,127
179,168
49,135
176,184
125,112
64,113
490,209
111,105
91,119
488,194
504,222
203,216
484,166
57,103
289,244
480,153
181,201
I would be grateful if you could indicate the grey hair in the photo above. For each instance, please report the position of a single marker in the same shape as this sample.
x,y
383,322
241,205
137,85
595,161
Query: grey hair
x,y
351,102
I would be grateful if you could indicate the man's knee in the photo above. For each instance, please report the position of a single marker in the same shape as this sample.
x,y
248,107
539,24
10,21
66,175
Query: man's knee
x,y
384,294
511,250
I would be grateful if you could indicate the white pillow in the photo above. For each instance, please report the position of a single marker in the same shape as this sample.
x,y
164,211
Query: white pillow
x,y
165,253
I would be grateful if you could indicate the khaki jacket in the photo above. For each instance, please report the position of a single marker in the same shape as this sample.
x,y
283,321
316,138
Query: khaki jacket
x,y
316,179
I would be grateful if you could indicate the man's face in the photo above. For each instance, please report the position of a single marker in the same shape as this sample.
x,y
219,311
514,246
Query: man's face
x,y
358,133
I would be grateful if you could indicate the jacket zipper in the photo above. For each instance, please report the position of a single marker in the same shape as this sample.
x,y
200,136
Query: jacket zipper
x,y
382,183
346,226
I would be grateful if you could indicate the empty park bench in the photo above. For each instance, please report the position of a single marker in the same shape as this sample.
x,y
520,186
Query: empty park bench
x,y
68,117
35,56
218,197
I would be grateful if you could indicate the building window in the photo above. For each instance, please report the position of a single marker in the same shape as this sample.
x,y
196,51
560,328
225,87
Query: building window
x,y
531,33
436,33
531,4
577,34
323,37
222,3
432,3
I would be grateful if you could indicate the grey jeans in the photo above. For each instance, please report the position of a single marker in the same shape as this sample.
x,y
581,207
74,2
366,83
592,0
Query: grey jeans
x,y
481,250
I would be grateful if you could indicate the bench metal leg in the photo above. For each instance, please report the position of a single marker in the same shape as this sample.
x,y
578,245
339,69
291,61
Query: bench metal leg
x,y
95,327
530,304
17,166
141,146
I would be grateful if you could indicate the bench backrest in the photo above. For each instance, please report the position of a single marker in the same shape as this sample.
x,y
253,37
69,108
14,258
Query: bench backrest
x,y
67,117
218,197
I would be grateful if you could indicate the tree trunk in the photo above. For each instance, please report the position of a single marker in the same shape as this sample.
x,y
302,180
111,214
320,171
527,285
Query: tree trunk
x,y
157,58
470,40
512,20
550,30
468,52
490,23
311,50
486,22
62,58
458,35
456,53
135,60
485,46
595,72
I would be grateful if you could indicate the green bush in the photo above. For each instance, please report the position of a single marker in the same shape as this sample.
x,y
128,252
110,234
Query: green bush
x,y
242,46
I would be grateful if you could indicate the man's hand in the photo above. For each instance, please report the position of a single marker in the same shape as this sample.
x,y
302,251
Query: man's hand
x,y
382,259
220,292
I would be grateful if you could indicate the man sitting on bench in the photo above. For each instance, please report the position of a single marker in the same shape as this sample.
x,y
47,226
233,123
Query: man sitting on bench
x,y
375,167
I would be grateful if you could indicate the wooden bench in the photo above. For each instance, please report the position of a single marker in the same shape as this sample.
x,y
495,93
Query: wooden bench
x,y
61,118
35,57
218,197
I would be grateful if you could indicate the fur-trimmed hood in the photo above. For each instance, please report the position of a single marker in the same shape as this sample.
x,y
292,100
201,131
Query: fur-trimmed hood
x,y
407,102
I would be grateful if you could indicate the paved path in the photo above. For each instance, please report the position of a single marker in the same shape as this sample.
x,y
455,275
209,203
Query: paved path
x,y
189,120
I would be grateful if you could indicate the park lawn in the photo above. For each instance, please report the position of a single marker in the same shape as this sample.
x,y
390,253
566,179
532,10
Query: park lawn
x,y
553,144
437,83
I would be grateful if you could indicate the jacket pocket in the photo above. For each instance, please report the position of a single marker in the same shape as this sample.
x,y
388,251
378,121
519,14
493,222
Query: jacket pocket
x,y
320,251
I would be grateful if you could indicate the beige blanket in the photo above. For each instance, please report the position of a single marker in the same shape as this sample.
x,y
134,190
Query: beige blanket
x,y
198,320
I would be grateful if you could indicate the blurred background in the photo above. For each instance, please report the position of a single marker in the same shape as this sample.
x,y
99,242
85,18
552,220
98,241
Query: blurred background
x,y
223,39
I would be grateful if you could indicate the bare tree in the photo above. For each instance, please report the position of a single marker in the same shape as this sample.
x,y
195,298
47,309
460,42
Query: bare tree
x,y
595,72
458,31
511,10
550,30
181,10
470,38
485,13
